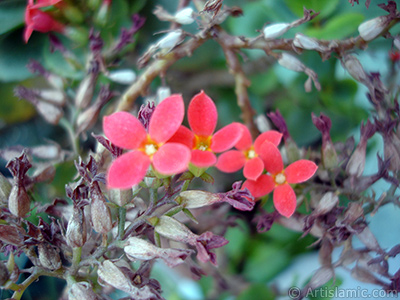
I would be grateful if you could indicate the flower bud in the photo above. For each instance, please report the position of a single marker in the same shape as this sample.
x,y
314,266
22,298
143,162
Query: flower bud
x,y
125,76
5,189
196,199
275,30
184,16
172,229
112,275
304,42
138,249
290,62
262,123
326,203
121,197
85,91
11,235
82,290
373,28
163,92
19,202
100,212
354,67
76,231
49,257
329,155
171,39
55,97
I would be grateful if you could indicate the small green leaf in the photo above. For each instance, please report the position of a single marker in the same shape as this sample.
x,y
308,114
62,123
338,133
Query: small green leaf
x,y
190,215
207,178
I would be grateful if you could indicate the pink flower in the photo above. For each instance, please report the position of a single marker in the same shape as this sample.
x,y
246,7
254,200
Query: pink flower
x,y
37,20
247,155
202,117
152,148
280,179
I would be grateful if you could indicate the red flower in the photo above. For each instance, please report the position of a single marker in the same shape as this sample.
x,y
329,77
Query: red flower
x,y
203,116
247,155
279,179
126,131
37,20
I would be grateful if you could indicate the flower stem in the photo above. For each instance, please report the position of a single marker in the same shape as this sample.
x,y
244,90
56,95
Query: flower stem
x,y
121,222
74,140
76,259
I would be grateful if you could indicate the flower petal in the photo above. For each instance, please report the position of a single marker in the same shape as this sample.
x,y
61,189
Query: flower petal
x,y
231,161
124,130
128,170
203,159
202,115
300,171
285,200
253,168
246,141
183,136
166,118
260,187
271,157
171,158
273,136
226,137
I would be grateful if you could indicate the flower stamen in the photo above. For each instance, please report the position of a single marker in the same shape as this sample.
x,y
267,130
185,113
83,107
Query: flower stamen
x,y
202,143
280,178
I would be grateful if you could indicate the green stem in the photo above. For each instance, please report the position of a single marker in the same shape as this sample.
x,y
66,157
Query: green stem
x,y
121,222
76,259
185,185
70,130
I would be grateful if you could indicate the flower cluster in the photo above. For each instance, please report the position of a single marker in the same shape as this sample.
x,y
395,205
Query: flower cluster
x,y
171,148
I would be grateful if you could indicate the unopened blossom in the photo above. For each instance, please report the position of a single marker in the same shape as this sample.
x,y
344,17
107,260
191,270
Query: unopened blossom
x,y
139,249
174,230
373,28
184,16
240,199
147,148
37,20
247,154
324,124
275,30
279,179
204,143
356,164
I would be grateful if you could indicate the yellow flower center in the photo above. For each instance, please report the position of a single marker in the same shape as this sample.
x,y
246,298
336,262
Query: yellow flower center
x,y
280,178
250,154
149,147
202,143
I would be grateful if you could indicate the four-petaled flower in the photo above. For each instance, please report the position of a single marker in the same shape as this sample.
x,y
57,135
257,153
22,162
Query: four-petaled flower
x,y
37,20
126,131
202,117
247,154
280,179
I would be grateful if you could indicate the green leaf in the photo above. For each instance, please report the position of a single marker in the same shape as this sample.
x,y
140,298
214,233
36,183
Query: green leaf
x,y
11,14
13,110
337,27
257,291
207,178
325,7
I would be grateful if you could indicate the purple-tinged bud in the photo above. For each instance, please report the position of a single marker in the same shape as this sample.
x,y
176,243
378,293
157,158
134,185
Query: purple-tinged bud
x,y
184,16
49,257
5,189
50,112
328,201
174,230
76,234
88,118
139,249
356,164
4,274
109,273
114,150
19,202
292,151
86,88
304,42
373,28
125,76
82,290
54,80
239,199
100,212
329,156
145,113
290,62
275,30
12,235
354,67
126,36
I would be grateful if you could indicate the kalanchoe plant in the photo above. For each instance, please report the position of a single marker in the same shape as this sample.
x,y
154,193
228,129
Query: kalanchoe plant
x,y
139,189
